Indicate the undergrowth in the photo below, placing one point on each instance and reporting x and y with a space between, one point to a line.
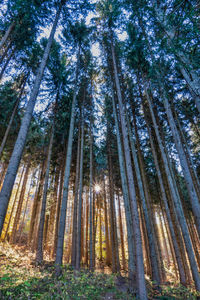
21 279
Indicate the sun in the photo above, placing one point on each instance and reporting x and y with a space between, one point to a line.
97 188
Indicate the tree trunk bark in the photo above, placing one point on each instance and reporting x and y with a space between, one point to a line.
39 252
121 233
149 226
176 199
129 222
21 139
62 221
137 233
19 206
7 34
91 263
74 232
184 163
14 204
78 248
86 227
108 252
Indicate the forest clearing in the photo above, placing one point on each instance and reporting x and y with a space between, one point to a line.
99 149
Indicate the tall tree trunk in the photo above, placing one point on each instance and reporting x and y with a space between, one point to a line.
137 233
19 206
86 227
123 175
74 232
78 248
108 252
113 225
184 163
100 235
167 211
91 262
176 199
36 204
21 139
62 221
58 208
121 233
14 204
52 217
39 252
25 208
148 223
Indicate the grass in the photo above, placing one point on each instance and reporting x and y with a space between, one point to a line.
21 279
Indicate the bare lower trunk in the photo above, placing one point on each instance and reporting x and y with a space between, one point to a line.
108 253
74 232
19 206
129 222
78 248
62 221
131 184
91 262
39 253
14 204
176 199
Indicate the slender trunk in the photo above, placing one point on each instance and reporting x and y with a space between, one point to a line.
3 172
184 163
157 233
58 209
14 204
148 223
19 206
108 253
39 252
7 34
121 233
62 221
78 248
25 209
171 248
163 238
86 228
52 217
36 203
5 52
7 62
74 233
113 226
137 233
123 175
176 199
91 263
100 235
21 139
11 120
167 211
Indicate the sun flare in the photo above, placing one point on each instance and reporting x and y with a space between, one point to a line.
97 188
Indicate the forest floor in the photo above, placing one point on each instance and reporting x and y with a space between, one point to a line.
21 279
